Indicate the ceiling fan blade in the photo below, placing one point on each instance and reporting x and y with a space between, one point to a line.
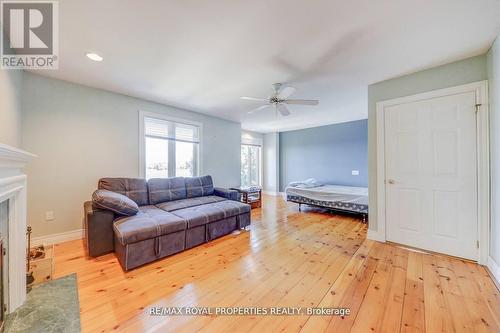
254 99
302 101
286 92
259 108
282 109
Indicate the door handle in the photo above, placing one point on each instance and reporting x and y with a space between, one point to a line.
391 181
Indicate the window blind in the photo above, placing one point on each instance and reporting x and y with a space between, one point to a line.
170 130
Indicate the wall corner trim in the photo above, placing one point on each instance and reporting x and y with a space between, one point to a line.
58 238
494 270
375 235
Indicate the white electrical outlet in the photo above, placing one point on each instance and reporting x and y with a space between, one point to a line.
355 172
49 216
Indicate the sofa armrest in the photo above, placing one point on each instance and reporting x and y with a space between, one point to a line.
226 193
98 230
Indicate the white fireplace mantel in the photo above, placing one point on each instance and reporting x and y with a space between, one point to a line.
13 158
13 189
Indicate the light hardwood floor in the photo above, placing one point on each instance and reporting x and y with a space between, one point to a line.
288 258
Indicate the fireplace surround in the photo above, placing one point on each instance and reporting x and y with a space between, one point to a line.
13 190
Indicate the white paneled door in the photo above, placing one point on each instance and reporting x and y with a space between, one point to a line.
431 174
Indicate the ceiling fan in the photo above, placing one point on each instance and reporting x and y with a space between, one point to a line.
279 100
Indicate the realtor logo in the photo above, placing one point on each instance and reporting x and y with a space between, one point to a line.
30 34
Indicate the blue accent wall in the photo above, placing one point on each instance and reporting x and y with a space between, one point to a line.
327 153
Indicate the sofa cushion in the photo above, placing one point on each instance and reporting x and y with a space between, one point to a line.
199 215
150 222
227 193
211 212
189 202
199 186
232 208
166 189
134 188
115 202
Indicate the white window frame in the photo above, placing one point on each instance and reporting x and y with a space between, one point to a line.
255 142
142 139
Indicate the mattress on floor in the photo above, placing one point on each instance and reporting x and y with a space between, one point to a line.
334 196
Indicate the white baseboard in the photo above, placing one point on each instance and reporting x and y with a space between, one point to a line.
58 238
494 269
375 235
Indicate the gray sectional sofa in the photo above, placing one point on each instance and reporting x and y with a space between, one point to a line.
174 214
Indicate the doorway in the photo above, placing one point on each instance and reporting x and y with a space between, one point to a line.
433 171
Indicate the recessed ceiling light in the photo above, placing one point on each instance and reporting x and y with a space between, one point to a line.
94 56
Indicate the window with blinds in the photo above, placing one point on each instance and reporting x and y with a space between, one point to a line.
171 148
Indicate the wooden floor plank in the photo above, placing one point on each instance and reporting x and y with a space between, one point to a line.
393 303
371 312
287 258
481 318
438 316
413 316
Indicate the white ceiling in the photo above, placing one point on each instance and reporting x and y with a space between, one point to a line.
204 55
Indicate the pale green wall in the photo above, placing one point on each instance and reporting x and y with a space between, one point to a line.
453 74
10 104
10 107
493 60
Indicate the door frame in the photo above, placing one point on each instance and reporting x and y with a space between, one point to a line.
483 160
